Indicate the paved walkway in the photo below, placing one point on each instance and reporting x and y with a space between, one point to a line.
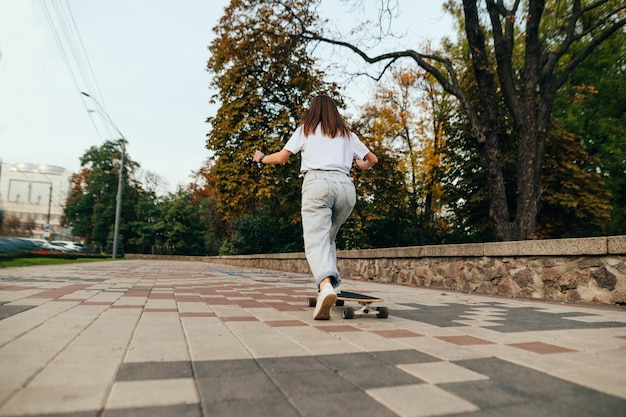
166 338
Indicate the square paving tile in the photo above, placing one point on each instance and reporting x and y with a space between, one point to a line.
351 361
253 387
248 408
541 348
420 400
464 340
399 333
137 371
312 382
337 328
178 410
222 368
291 364
153 392
353 403
378 376
396 357
441 372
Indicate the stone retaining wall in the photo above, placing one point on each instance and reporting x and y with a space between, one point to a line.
577 270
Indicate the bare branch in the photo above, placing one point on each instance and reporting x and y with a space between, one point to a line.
584 54
503 44
572 36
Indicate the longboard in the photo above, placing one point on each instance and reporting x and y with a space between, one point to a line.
365 302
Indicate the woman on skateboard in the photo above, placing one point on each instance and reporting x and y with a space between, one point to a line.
328 149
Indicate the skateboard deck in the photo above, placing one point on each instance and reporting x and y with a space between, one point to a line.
365 302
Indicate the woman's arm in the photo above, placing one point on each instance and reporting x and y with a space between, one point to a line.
275 158
369 161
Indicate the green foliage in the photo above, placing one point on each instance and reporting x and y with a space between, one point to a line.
264 78
262 232
382 215
592 108
90 207
575 198
147 215
179 230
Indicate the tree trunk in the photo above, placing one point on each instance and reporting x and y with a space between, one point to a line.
486 129
531 132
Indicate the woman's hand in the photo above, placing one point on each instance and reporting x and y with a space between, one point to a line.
361 164
369 161
257 155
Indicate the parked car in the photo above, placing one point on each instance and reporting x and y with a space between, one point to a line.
46 246
22 244
69 246
14 244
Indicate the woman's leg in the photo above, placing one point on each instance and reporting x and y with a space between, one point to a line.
327 201
317 213
345 200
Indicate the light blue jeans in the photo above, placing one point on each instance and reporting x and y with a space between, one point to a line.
328 198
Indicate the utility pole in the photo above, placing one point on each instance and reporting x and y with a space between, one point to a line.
118 203
120 183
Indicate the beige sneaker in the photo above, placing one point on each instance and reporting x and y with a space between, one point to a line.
325 301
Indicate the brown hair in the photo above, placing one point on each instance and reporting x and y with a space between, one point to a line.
324 110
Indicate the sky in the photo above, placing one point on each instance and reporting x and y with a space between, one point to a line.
143 65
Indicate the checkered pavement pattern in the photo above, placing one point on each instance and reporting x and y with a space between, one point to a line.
172 338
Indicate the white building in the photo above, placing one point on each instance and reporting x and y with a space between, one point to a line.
37 193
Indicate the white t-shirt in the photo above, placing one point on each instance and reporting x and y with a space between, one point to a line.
320 152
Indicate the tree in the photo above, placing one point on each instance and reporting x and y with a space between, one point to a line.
203 192
575 201
90 206
264 78
178 229
591 109
262 232
521 53
382 214
403 117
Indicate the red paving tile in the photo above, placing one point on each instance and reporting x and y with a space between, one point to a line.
161 296
60 292
541 348
338 329
198 314
217 301
285 307
245 318
188 298
464 340
250 304
137 294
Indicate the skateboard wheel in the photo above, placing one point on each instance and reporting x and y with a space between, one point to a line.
383 312
340 303
348 313
312 301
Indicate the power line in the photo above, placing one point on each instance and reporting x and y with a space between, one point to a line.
72 49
